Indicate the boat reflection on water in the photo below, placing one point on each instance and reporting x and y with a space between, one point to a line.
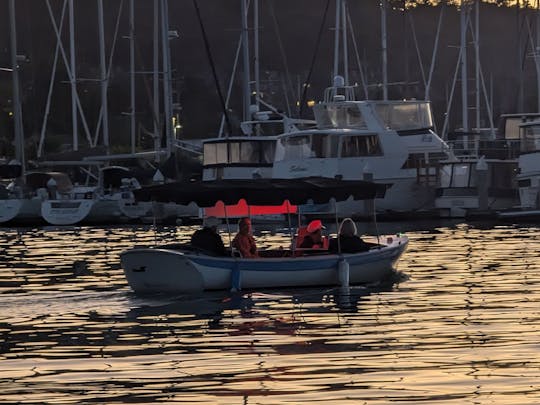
241 312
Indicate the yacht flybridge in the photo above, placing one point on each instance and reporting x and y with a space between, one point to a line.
381 141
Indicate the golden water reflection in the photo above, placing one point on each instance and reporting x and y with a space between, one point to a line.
459 325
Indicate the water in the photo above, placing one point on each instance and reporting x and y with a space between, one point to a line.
460 325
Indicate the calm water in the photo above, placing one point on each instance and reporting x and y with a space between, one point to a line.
461 325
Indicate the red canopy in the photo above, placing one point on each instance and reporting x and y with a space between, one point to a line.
242 209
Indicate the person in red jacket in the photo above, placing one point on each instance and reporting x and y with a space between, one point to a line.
244 241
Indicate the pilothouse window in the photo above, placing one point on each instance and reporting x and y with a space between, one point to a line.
339 116
307 146
354 146
406 116
239 152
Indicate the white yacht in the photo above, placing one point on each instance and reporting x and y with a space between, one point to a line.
528 176
389 142
481 179
529 166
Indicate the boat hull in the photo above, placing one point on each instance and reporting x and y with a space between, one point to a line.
9 209
174 271
66 212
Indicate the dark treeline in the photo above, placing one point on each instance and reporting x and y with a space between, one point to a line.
288 40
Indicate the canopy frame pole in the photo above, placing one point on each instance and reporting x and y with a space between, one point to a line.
228 227
375 222
291 234
337 225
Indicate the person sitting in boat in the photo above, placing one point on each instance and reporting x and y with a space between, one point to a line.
244 241
348 241
314 238
207 238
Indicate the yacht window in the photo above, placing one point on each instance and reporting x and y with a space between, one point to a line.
445 176
234 152
324 146
365 145
531 139
296 147
209 154
339 116
222 155
405 116
457 175
249 153
268 151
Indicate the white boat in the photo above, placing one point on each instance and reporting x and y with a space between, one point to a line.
21 199
528 177
110 201
68 207
381 141
481 177
182 269
529 166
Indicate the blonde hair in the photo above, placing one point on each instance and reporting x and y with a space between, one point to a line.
347 227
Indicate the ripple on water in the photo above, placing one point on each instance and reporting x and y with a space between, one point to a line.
461 326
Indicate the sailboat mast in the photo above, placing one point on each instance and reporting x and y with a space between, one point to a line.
336 39
464 87
345 44
257 72
384 51
132 73
17 109
104 78
157 132
74 119
245 49
477 61
166 75
537 54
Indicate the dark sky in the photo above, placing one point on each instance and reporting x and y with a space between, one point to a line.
288 39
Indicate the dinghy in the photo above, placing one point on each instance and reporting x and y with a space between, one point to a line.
184 269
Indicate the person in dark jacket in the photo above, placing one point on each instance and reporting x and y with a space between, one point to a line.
349 241
207 238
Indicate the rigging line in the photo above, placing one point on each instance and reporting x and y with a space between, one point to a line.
357 56
212 65
113 48
68 71
483 83
108 74
283 57
313 59
51 87
418 53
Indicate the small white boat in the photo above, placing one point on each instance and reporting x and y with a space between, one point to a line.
183 269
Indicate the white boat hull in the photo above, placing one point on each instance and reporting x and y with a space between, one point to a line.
20 210
9 209
66 212
174 271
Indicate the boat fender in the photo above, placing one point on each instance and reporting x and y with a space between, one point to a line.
236 279
343 273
